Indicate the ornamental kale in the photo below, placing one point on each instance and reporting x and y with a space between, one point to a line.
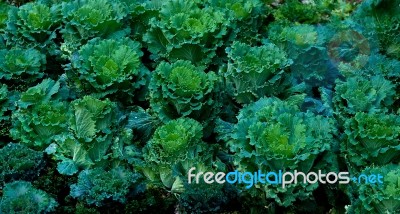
87 19
41 116
107 106
379 197
181 89
372 138
34 25
312 11
383 19
22 197
19 162
200 198
89 138
174 143
254 72
246 18
185 30
22 64
358 94
4 14
274 135
97 185
106 67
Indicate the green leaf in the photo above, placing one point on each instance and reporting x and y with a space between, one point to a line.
100 148
67 167
83 124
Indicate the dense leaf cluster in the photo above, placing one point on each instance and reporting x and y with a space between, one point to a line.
105 105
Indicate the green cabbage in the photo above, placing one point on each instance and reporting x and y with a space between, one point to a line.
182 89
184 30
378 197
41 115
97 185
178 143
107 67
88 142
273 135
254 72
19 162
21 196
34 25
87 19
372 139
22 64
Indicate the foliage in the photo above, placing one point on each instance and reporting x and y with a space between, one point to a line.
22 64
174 144
181 89
382 17
105 105
22 197
34 25
19 162
274 135
358 94
372 138
107 67
3 102
254 72
84 20
379 197
40 116
7 98
97 185
4 11
89 138
246 18
201 198
186 30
